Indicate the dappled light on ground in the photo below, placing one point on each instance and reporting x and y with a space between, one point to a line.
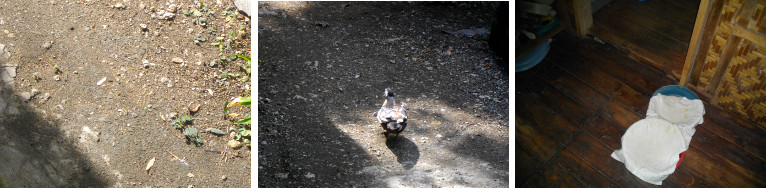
323 69
432 149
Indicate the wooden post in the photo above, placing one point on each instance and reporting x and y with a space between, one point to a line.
583 16
702 36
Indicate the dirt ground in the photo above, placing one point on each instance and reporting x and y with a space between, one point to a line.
323 71
61 129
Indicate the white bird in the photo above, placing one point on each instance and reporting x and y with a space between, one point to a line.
392 118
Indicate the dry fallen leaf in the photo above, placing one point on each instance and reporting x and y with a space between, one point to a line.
150 164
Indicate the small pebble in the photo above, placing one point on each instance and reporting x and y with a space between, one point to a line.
177 60
143 27
171 115
172 8
145 63
100 81
119 6
194 108
234 144
47 45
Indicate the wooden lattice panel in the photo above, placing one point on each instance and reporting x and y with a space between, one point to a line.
756 21
722 34
742 89
726 61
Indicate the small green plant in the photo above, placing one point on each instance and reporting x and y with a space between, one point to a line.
229 15
212 30
56 69
181 122
246 67
243 133
192 134
220 43
226 75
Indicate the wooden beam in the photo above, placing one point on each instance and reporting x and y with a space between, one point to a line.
748 34
583 16
703 11
704 33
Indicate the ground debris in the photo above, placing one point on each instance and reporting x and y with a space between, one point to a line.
149 164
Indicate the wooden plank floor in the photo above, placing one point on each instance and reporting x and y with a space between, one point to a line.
655 32
573 108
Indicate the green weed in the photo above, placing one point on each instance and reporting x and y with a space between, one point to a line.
181 122
243 133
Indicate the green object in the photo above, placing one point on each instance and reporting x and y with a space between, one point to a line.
245 120
181 122
212 63
192 134
215 131
246 58
544 30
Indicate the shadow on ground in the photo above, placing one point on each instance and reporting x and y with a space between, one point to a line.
34 152
407 153
324 67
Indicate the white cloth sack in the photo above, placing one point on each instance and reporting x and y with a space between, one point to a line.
651 146
681 111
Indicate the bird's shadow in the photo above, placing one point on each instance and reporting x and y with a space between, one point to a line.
407 153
